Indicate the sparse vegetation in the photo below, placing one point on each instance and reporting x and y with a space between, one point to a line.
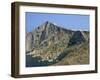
67 48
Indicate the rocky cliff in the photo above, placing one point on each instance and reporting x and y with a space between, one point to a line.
48 41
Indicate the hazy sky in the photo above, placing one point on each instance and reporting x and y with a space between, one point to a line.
68 21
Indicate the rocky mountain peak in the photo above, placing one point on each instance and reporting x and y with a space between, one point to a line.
48 34
47 22
44 26
50 44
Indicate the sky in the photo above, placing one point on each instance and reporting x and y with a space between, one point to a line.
68 21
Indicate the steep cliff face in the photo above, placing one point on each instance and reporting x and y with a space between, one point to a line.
46 34
29 41
51 42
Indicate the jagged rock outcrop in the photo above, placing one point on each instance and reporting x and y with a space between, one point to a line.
45 34
29 42
50 42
